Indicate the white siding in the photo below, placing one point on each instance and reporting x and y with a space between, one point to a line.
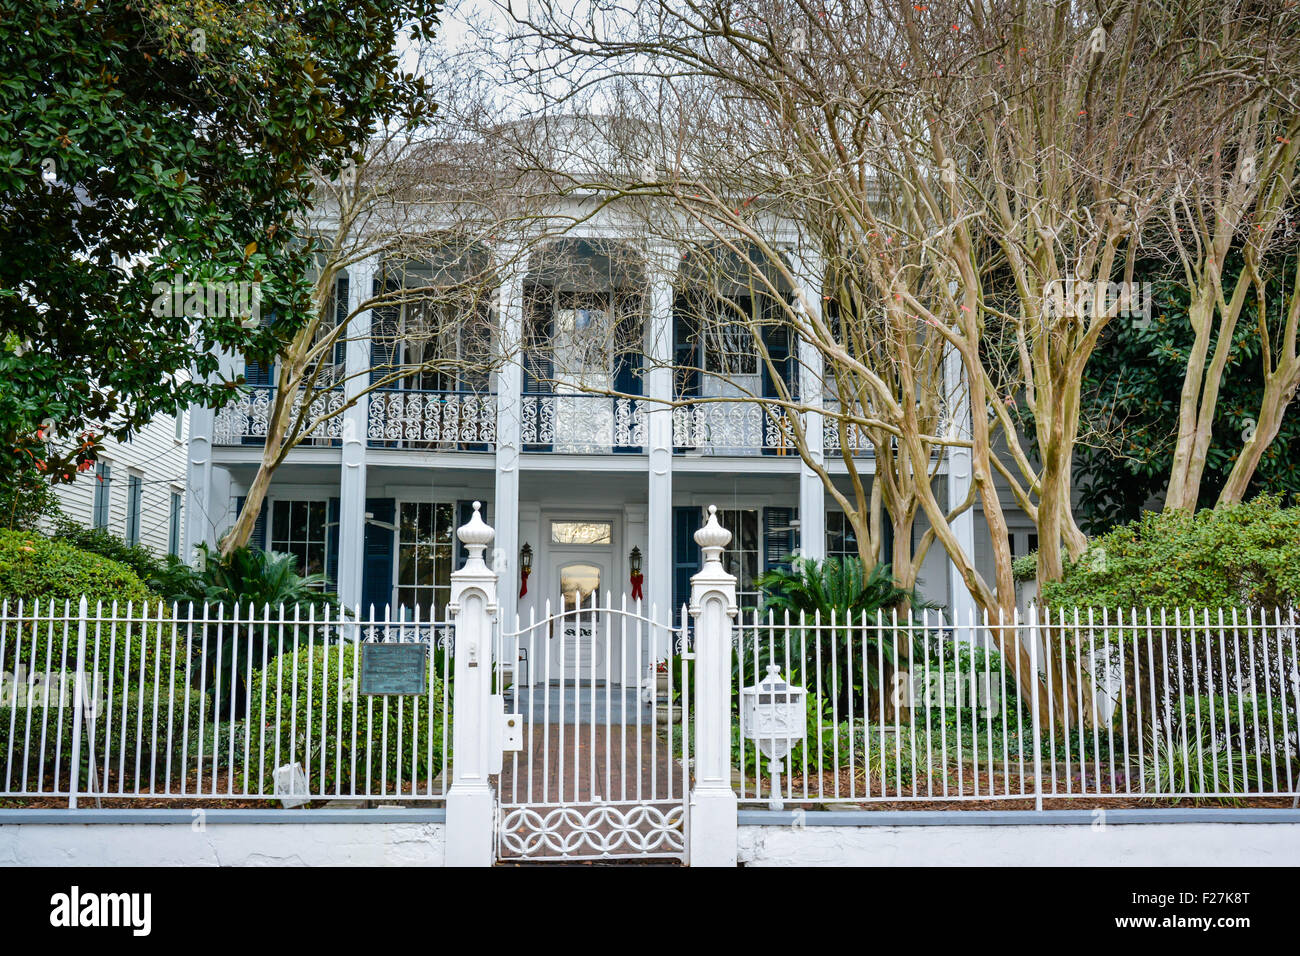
159 459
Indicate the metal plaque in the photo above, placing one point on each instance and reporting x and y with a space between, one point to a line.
394 669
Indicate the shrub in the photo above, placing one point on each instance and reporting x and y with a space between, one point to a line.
167 576
36 568
33 568
1236 556
327 753
241 585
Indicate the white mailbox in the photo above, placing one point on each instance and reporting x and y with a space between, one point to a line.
772 715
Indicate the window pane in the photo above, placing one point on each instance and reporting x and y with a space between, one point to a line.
581 532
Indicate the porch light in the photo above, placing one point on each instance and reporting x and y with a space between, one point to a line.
526 558
772 715
634 561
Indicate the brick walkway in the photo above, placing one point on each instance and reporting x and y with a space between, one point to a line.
590 793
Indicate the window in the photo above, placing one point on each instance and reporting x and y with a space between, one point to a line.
841 539
729 347
299 528
174 525
1022 543
424 557
743 556
581 532
180 426
134 494
582 344
103 491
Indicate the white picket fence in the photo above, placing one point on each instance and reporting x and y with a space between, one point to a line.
163 702
168 702
1143 704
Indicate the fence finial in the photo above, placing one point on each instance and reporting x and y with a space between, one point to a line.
712 538
476 536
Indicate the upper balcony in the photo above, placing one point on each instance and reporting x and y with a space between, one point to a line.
583 330
569 423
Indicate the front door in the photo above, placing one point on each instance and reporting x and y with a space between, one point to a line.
578 647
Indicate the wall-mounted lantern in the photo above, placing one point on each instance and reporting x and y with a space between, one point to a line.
636 578
525 567
772 715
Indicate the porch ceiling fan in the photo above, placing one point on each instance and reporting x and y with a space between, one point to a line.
386 525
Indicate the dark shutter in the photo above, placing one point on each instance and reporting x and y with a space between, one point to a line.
384 322
258 538
464 509
686 350
686 555
340 317
776 339
332 541
255 373
779 538
377 560
539 331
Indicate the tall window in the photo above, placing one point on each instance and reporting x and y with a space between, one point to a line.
103 491
424 555
174 525
134 495
841 539
299 528
743 556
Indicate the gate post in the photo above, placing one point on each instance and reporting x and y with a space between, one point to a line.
713 609
470 802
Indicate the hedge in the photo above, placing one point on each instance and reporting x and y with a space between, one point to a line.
345 766
1238 556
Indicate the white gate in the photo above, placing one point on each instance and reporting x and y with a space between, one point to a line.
602 769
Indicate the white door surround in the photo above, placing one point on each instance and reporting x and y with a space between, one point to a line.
576 548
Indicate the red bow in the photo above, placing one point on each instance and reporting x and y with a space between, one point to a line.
637 579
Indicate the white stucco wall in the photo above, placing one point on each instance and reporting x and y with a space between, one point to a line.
222 844
1143 844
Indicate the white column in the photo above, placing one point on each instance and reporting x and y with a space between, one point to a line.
713 610
812 492
659 436
352 477
201 507
510 384
476 742
198 482
957 405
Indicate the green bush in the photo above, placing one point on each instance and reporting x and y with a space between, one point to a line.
345 769
33 568
167 576
1238 556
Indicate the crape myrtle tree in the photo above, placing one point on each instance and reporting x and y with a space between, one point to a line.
944 166
161 145
1230 223
432 207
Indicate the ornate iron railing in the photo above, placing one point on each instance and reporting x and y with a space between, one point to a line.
432 420
579 424
246 420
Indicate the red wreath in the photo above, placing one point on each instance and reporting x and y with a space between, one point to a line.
637 580
523 582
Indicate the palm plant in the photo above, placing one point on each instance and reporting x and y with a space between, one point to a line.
842 596
236 587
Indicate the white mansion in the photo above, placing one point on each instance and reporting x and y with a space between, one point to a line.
578 486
